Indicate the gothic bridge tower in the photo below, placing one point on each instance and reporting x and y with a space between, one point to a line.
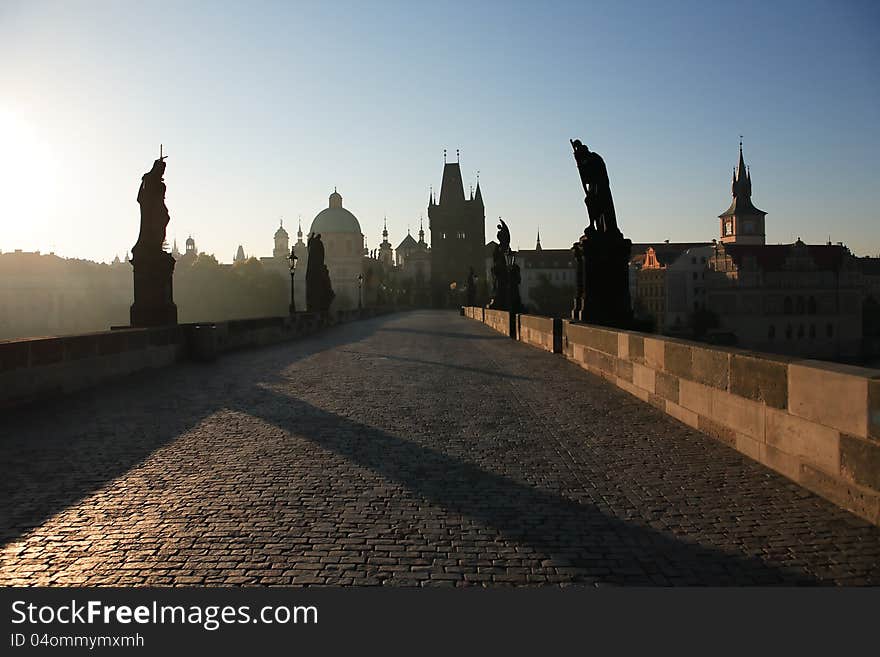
458 235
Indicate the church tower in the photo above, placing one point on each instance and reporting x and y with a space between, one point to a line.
742 222
282 243
386 253
458 234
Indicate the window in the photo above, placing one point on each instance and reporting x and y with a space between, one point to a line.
695 275
787 306
829 330
800 331
811 306
728 227
771 332
694 260
812 331
788 332
800 306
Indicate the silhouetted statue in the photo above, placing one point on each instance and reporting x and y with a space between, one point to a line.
471 288
501 297
602 253
597 189
319 291
503 236
154 213
153 266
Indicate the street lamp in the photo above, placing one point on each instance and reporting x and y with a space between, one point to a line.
360 280
292 257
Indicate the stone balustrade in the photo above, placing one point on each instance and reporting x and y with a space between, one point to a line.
816 422
35 369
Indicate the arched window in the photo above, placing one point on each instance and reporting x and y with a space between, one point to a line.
811 305
812 331
771 332
800 331
787 306
788 332
800 306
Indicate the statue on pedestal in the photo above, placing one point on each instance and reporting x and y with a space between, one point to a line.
153 266
602 253
500 273
471 288
319 291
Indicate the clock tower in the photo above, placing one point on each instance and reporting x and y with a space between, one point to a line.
742 222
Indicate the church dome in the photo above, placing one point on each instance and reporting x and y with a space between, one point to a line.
335 218
281 232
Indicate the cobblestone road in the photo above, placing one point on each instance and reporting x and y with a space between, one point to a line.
416 449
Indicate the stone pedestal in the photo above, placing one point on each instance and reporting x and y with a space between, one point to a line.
604 260
153 291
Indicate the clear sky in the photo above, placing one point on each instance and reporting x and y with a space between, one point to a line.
265 107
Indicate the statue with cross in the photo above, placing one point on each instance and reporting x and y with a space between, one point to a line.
153 266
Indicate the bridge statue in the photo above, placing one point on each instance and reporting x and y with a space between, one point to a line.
505 294
602 253
153 266
319 291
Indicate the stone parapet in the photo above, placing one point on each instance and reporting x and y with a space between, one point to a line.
816 422
35 369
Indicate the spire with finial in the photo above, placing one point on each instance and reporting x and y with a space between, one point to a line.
385 229
421 230
478 195
538 245
299 230
444 156
457 155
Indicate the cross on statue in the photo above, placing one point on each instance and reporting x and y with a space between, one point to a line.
161 156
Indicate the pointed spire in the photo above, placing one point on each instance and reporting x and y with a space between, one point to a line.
421 230
538 245
478 195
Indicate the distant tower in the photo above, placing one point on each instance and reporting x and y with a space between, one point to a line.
421 231
458 234
538 245
175 252
386 253
239 255
282 243
742 223
190 246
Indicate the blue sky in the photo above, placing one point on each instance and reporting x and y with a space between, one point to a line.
265 107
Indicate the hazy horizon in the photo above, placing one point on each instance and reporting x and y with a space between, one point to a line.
264 108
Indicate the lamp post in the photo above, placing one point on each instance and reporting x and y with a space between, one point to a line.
292 257
360 280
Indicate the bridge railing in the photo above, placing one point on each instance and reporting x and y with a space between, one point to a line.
817 423
34 369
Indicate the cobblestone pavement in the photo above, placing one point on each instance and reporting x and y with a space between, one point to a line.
415 449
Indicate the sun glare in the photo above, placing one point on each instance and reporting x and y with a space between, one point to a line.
27 173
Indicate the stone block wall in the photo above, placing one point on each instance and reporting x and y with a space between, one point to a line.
33 369
817 423
500 320
39 368
542 332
